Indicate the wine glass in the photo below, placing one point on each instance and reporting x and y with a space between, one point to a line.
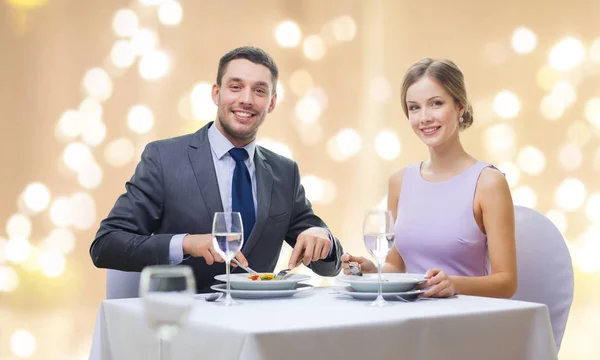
228 237
379 240
167 293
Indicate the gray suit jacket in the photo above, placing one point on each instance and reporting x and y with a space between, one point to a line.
174 190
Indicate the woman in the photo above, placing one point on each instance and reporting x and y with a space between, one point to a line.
452 212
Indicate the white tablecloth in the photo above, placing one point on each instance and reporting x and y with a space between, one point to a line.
320 325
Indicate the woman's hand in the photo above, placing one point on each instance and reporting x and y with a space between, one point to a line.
439 284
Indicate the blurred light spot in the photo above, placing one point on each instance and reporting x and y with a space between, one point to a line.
125 22
144 41
151 2
344 28
69 125
119 152
320 95
506 104
523 40
203 107
597 160
570 194
90 110
499 139
76 155
592 209
288 34
308 110
22 343
154 65
559 219
511 171
170 13
566 54
592 111
122 54
18 225
595 51
524 196
310 134
61 240
565 92
570 156
546 78
387 145
314 48
90 176
280 90
94 133
579 133
551 107
276 146
314 188
52 263
18 249
37 197
300 82
531 160
9 280
344 145
590 244
60 212
380 89
3 256
140 119
98 84
83 211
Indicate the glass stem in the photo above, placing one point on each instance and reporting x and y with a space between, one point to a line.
228 282
164 349
380 268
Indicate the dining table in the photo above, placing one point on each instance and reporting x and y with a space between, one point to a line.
326 323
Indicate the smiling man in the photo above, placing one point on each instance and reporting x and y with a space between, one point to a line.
166 214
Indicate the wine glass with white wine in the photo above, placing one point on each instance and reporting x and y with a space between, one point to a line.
167 293
228 238
379 240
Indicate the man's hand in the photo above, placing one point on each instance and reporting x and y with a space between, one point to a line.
202 246
314 243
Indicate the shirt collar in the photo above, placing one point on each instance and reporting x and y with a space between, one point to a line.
220 145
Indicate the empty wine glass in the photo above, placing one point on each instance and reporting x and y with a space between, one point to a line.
167 293
228 237
379 240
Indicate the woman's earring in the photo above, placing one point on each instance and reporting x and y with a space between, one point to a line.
460 120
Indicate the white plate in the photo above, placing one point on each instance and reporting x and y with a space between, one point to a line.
408 295
242 282
392 282
262 294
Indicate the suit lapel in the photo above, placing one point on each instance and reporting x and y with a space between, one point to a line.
264 186
200 156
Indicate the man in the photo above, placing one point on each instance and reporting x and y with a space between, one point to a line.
165 216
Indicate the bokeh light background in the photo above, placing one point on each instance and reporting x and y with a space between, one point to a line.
84 85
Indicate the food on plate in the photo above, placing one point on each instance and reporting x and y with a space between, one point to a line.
259 277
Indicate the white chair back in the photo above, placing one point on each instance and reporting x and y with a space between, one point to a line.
122 284
545 267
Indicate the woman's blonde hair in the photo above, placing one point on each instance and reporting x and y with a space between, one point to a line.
449 76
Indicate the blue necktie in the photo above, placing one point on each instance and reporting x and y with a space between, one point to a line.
241 191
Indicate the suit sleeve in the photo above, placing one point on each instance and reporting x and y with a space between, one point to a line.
303 218
125 240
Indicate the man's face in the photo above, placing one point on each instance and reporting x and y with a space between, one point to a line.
244 98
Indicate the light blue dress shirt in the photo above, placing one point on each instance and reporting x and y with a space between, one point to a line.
224 166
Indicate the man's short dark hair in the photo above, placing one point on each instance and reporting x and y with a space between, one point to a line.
252 54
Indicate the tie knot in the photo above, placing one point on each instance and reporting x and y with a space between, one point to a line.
238 154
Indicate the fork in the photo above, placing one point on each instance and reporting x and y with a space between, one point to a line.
244 267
